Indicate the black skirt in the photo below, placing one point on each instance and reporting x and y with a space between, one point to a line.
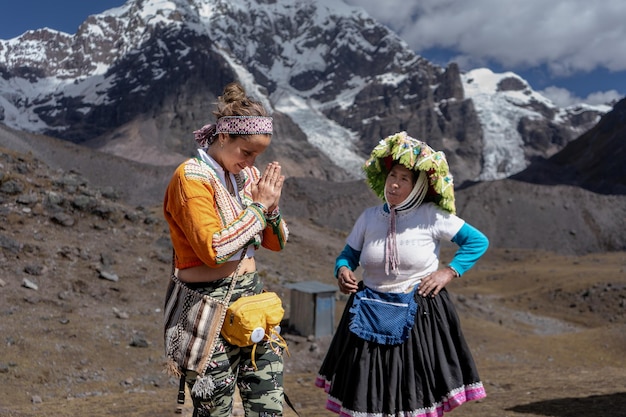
430 373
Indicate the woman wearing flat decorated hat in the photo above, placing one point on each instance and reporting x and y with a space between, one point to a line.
399 349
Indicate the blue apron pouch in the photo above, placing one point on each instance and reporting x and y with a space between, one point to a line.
384 318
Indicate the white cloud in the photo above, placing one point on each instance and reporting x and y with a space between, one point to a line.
603 97
566 35
563 98
560 96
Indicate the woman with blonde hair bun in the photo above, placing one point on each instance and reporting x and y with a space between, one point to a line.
221 210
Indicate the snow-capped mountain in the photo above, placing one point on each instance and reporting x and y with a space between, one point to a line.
507 108
137 79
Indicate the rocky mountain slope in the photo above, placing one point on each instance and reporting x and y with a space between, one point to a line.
560 218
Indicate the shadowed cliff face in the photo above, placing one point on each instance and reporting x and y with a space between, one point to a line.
594 161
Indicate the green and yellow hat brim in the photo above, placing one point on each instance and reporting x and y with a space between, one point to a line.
416 156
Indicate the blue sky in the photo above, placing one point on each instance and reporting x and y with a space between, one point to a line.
18 16
570 50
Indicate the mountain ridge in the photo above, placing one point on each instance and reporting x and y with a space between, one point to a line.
341 80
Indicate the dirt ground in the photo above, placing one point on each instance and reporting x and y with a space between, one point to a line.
548 333
81 295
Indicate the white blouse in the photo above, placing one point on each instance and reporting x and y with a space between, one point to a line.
419 233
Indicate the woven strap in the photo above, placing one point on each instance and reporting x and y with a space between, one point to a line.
224 302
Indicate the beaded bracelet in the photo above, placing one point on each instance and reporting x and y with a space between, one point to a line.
274 215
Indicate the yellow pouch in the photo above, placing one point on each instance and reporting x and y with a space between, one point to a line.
253 319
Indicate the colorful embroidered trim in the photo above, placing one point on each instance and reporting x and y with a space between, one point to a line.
452 400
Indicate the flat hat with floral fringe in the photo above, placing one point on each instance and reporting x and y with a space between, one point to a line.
416 156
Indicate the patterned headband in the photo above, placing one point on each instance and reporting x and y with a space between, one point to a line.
234 125
244 125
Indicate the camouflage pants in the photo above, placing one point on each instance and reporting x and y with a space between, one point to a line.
261 390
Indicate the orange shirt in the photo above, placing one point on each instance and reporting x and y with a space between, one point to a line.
207 224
